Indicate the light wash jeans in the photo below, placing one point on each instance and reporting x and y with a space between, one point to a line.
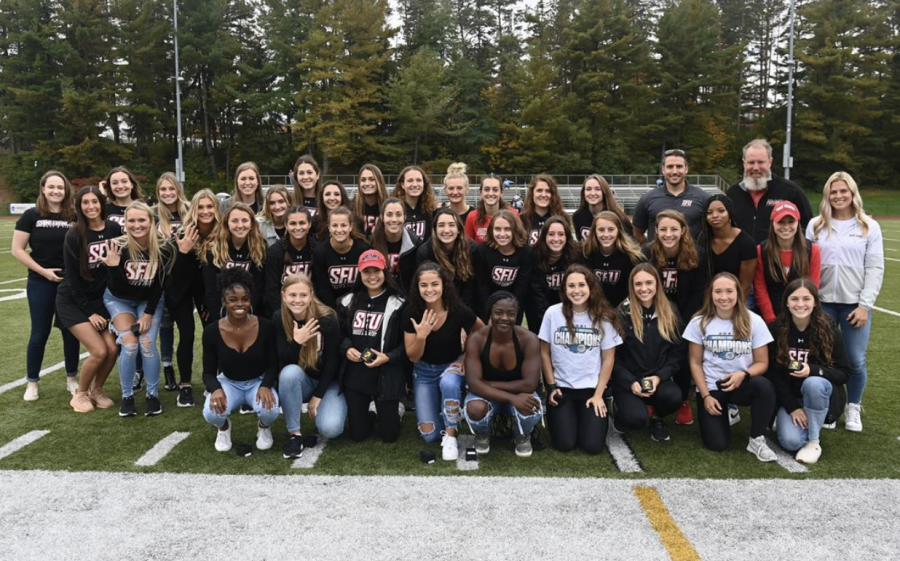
237 393
296 388
436 388
856 342
129 353
522 424
816 398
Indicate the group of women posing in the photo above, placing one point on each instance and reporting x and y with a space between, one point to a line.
433 276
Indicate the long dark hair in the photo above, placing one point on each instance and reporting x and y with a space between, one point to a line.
705 238
378 240
599 308
81 227
298 191
771 256
449 297
570 252
457 262
820 340
391 286
322 230
479 208
286 244
556 206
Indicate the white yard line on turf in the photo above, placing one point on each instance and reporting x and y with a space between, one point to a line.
886 311
21 381
17 444
891 259
465 441
890 240
310 455
784 459
161 449
20 294
14 280
622 454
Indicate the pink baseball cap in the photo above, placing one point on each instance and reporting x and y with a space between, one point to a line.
785 208
372 258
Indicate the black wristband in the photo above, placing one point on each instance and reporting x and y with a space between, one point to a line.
551 388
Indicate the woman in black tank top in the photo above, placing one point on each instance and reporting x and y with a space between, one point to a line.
503 371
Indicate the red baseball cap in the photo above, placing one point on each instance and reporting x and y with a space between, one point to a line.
372 258
785 208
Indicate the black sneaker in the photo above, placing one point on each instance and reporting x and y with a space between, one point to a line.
246 409
169 373
127 409
154 407
185 397
294 447
138 380
658 430
410 401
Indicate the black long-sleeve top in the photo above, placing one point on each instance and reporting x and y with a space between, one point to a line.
685 289
465 289
236 258
259 359
653 357
82 289
787 387
329 356
612 271
495 271
334 273
277 270
127 280
186 281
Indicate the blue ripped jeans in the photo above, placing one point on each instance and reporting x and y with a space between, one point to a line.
438 390
522 424
146 343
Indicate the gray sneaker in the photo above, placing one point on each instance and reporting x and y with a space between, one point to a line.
523 446
482 443
759 447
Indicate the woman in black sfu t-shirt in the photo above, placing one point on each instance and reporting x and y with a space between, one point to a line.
44 228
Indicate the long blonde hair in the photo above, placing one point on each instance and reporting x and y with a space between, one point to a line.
191 218
309 352
623 244
688 259
217 242
740 317
162 211
824 222
669 326
156 243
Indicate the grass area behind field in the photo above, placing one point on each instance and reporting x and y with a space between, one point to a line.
101 441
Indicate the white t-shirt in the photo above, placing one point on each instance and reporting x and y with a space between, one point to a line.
722 354
576 360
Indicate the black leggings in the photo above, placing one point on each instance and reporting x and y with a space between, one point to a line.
757 392
631 410
361 423
183 316
571 423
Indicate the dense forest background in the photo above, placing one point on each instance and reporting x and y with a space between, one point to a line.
562 86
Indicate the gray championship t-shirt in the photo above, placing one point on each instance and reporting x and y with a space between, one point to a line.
576 357
722 353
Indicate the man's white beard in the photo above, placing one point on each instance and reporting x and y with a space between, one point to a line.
752 184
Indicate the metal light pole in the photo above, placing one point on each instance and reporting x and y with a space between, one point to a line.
179 163
788 160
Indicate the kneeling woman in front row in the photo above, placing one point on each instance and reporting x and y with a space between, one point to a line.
308 341
812 393
728 358
578 341
376 361
239 362
503 369
651 354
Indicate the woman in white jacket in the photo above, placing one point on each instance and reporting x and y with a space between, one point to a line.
852 271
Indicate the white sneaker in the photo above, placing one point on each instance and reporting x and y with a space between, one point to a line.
734 415
31 391
852 421
304 409
401 409
759 447
449 448
264 438
71 385
223 439
810 452
830 426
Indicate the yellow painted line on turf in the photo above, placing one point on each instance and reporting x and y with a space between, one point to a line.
673 539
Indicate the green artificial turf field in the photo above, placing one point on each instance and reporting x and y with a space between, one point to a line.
101 441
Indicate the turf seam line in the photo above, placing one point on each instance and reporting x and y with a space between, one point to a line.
21 442
464 441
622 454
161 449
671 536
784 459
310 455
22 381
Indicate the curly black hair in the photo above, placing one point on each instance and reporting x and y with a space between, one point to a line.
229 279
